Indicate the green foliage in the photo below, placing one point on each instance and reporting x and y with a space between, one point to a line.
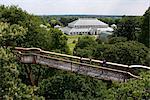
114 40
110 21
123 52
71 86
13 15
74 41
54 22
99 40
10 85
58 41
18 28
50 21
67 20
11 34
127 28
70 40
119 50
85 46
132 90
31 34
85 41
148 57
86 52
145 35
36 37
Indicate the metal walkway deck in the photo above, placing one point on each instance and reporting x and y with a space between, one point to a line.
85 66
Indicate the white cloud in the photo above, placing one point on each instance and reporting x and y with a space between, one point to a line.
99 7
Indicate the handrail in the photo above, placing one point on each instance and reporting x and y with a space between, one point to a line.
93 66
139 66
76 57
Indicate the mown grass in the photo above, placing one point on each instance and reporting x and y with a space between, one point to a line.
70 41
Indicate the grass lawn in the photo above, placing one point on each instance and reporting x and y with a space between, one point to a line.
72 38
70 43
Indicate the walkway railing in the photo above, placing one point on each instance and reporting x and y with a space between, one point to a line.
85 66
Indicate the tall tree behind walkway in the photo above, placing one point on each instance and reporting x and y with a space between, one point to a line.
131 53
10 35
127 28
58 41
145 36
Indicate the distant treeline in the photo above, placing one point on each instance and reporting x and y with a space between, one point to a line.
87 16
63 20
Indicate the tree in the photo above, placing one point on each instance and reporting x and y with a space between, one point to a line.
148 57
126 28
54 22
114 40
109 21
131 90
85 46
67 20
20 21
123 52
145 35
26 31
10 35
10 85
72 86
58 41
85 52
30 34
13 15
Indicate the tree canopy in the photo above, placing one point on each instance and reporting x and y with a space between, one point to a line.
123 52
10 85
85 46
11 34
72 86
145 35
126 28
35 82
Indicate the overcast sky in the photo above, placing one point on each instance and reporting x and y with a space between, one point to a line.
98 7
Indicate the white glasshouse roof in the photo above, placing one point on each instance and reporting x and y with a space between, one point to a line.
87 21
80 30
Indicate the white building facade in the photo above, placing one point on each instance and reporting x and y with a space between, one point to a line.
87 26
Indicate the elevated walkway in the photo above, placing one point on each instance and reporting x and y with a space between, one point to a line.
85 66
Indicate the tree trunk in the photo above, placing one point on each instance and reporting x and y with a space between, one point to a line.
29 73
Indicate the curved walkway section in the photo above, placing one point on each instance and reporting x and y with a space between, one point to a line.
85 66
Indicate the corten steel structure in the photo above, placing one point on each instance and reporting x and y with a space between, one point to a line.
85 66
86 26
